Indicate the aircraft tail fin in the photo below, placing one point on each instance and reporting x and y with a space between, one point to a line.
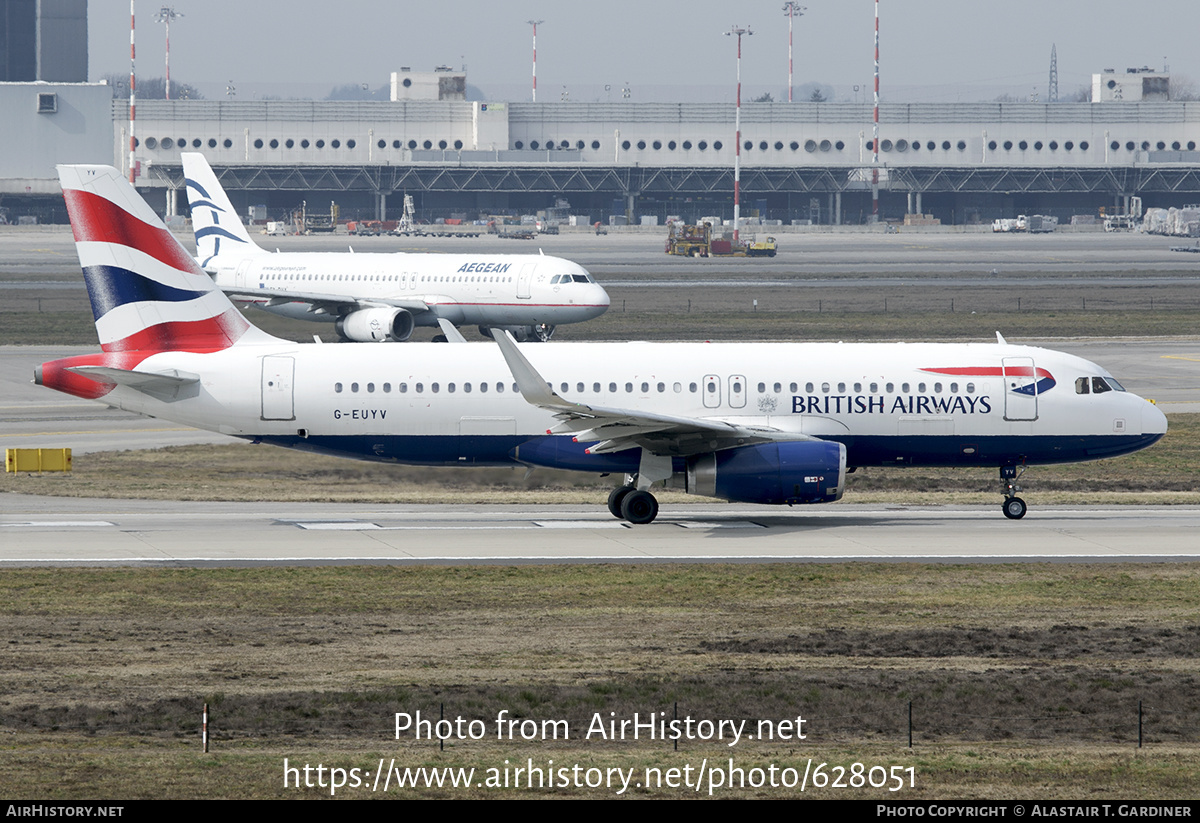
218 229
148 294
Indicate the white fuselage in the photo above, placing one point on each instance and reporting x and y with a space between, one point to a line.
486 290
893 404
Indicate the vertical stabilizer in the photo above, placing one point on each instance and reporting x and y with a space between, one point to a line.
218 229
147 293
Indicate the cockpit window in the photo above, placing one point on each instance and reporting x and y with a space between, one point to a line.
1082 386
1099 386
579 278
1114 384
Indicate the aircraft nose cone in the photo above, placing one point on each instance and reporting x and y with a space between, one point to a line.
1153 420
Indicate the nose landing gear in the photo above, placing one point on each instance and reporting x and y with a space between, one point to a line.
1014 508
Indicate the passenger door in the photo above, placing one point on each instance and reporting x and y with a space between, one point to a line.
277 379
1020 388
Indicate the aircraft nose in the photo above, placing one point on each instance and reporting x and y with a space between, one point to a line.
1153 420
600 296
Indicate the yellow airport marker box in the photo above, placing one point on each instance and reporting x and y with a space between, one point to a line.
37 460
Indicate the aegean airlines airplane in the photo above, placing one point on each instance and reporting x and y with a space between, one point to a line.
749 422
375 297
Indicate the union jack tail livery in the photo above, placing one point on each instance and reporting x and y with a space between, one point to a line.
147 293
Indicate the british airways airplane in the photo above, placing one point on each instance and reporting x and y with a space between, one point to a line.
376 297
749 422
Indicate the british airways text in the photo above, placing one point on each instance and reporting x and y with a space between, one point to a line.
901 404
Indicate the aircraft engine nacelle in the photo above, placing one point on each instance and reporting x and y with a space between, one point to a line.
810 471
374 325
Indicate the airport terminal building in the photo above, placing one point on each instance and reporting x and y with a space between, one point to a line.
803 161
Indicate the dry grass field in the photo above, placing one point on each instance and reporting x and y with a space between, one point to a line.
1024 680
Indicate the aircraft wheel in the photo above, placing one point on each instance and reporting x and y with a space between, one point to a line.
1015 508
639 507
438 338
615 498
486 332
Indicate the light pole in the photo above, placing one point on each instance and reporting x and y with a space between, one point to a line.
875 138
165 15
737 127
534 23
791 10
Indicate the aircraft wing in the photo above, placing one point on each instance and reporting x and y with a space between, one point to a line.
615 429
320 303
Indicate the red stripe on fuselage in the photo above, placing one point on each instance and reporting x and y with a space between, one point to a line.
96 220
991 371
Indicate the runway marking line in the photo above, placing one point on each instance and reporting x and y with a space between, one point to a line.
102 431
57 523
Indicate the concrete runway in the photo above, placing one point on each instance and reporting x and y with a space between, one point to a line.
45 257
44 531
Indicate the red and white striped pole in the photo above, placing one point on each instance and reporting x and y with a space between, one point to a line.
534 23
792 10
875 137
132 95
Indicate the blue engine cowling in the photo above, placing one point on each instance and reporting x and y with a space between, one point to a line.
809 471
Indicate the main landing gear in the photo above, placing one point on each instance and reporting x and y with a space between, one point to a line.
627 503
1014 508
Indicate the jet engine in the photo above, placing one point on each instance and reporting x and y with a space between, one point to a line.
807 471
373 325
